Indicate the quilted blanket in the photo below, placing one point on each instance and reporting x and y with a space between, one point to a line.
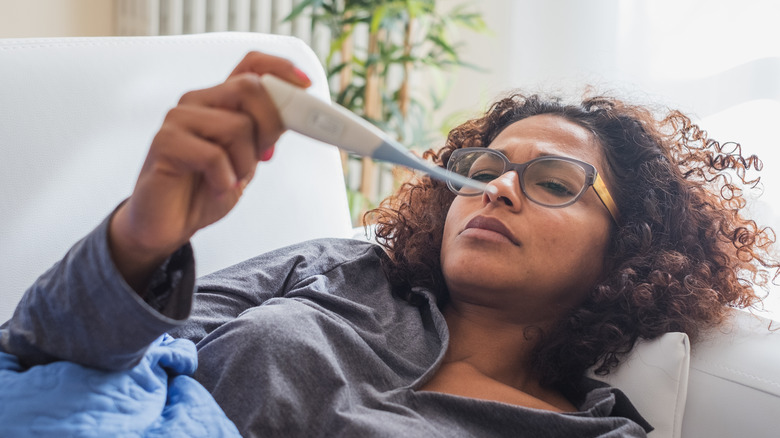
157 398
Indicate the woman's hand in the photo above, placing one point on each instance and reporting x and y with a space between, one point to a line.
198 165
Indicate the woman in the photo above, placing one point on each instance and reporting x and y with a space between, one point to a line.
680 253
479 317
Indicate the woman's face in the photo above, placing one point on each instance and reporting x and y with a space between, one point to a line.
504 251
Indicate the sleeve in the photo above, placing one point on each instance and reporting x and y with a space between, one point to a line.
222 296
81 310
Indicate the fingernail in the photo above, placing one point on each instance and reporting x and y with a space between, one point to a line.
267 154
301 76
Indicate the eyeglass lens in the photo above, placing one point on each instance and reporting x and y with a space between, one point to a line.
548 181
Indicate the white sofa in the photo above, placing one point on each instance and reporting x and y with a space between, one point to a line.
78 114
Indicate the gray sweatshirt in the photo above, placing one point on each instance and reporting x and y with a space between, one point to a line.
300 342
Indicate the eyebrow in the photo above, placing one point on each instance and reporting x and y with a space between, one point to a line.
541 154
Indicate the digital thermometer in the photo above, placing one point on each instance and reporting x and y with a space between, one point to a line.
333 124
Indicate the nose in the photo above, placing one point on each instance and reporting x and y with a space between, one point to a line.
506 189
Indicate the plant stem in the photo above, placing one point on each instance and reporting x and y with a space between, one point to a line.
403 93
345 75
373 108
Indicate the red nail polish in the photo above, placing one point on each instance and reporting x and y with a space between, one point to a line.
301 75
267 154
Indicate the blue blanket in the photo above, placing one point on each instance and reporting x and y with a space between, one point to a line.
157 398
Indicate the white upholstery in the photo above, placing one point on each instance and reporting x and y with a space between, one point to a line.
655 378
734 381
76 121
725 385
77 117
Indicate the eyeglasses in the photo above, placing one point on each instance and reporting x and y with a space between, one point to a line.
549 181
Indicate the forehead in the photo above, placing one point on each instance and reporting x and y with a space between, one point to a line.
548 134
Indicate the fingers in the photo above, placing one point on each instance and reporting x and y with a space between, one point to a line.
183 148
243 93
222 131
262 63
199 163
221 136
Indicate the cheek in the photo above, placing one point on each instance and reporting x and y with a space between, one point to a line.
453 223
448 233
583 247
591 251
455 215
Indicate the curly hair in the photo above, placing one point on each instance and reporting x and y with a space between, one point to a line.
682 254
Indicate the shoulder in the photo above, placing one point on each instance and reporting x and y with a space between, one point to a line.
349 260
599 399
330 251
301 260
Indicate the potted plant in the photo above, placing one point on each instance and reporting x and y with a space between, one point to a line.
388 63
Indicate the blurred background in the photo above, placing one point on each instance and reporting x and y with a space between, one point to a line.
418 67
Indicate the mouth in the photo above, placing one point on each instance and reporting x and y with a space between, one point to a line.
488 226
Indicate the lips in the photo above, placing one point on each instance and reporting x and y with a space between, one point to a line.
491 224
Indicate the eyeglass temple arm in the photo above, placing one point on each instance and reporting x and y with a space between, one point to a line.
606 198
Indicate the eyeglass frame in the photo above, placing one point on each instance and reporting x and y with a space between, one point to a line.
592 178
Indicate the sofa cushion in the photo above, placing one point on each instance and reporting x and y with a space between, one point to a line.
655 378
734 380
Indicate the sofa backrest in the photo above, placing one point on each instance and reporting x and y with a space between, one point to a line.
76 120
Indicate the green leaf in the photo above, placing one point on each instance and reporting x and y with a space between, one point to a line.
376 19
335 70
435 52
299 8
336 44
439 42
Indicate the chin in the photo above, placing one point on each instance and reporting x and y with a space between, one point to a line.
479 271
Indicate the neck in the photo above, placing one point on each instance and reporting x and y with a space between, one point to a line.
491 343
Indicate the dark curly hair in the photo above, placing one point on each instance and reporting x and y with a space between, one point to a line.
682 254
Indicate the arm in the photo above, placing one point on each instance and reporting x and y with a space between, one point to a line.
82 310
90 307
198 166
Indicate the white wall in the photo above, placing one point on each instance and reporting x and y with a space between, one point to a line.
56 18
668 51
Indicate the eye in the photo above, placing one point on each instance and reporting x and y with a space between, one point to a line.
484 175
556 187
